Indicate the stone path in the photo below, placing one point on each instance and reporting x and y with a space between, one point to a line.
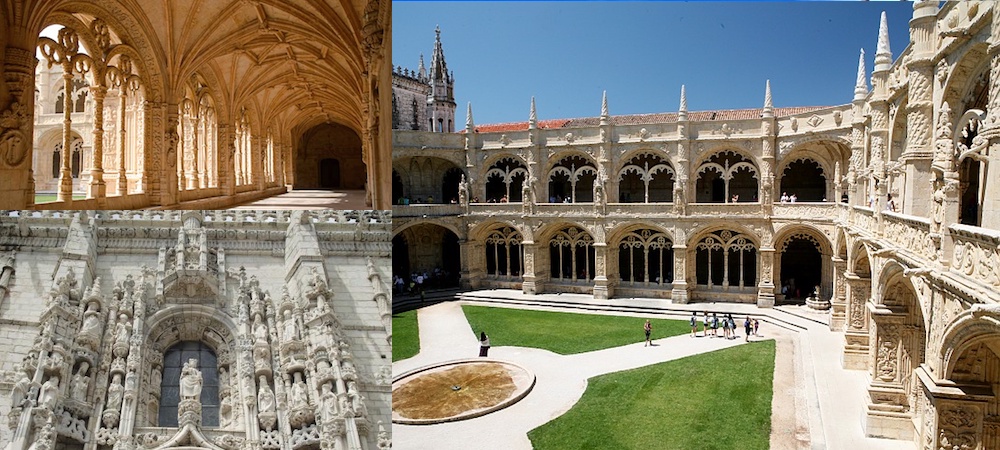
311 199
809 411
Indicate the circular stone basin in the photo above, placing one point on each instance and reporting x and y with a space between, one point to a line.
458 390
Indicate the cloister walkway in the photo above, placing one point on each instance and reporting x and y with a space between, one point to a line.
809 411
310 199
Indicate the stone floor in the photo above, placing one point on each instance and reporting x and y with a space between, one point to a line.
311 199
817 404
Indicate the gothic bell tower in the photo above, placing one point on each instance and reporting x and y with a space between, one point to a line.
441 100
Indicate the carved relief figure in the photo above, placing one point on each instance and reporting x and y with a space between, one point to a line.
19 393
80 383
191 380
329 401
90 332
299 397
291 332
49 394
115 393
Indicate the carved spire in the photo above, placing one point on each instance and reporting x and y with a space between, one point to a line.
883 56
439 69
768 103
469 125
682 113
422 71
604 109
861 85
532 116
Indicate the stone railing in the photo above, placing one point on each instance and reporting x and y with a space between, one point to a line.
724 209
864 220
419 139
495 209
909 232
976 254
640 209
823 211
429 210
564 209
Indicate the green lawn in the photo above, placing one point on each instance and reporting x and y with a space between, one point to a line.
564 333
405 335
718 400
45 198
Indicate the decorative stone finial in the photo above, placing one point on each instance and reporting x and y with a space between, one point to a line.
682 112
861 85
604 109
768 103
468 118
532 116
883 56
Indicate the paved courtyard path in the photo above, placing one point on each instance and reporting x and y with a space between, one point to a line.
809 411
310 199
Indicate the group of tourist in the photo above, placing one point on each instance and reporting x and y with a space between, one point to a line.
728 326
785 198
420 281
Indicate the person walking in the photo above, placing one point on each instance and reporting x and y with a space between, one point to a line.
732 325
705 324
484 343
725 328
715 325
694 324
648 327
747 327
756 325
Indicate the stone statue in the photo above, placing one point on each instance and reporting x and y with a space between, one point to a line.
260 331
226 411
265 397
291 332
191 380
80 383
115 393
329 401
123 332
90 332
463 192
299 397
19 393
353 396
50 393
155 379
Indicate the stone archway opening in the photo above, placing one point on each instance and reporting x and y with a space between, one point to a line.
805 179
430 255
801 268
329 156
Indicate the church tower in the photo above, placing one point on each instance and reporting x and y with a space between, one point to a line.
441 101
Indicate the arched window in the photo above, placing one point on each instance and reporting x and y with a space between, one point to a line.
804 178
505 178
61 101
971 171
724 176
173 361
571 255
57 160
77 157
726 258
572 178
647 178
503 253
646 256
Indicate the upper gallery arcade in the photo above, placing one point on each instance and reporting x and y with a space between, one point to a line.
120 104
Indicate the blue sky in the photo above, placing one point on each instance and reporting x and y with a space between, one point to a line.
567 53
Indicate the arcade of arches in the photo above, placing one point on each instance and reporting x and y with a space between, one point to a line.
190 103
894 226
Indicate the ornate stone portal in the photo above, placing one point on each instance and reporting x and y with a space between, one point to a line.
180 343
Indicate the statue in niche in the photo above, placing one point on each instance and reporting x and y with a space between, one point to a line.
329 401
191 381
123 332
155 378
19 393
50 393
345 406
226 411
291 332
90 332
360 408
299 397
223 379
80 382
353 396
260 331
265 397
463 192
131 382
115 392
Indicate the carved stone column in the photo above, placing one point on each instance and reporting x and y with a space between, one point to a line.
886 412
856 327
838 302
122 188
679 293
172 146
765 289
16 127
226 153
97 188
471 273
530 284
65 173
6 271
602 289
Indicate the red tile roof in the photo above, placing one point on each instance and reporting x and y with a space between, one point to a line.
640 119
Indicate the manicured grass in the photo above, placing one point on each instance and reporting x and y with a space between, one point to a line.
45 198
564 333
405 335
717 400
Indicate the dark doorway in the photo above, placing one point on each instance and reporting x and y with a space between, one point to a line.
400 257
329 173
397 186
449 185
969 191
805 179
801 268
